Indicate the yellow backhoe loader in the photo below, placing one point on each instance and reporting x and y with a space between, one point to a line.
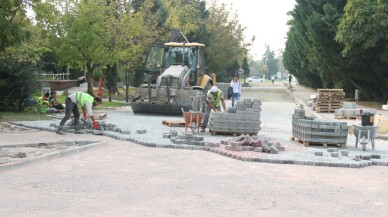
176 78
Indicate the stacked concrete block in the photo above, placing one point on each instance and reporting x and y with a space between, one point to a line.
251 143
310 130
350 110
87 127
244 118
187 138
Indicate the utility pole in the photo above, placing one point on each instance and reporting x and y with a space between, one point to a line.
126 85
266 58
241 72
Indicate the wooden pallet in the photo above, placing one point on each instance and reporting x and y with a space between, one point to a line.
329 103
174 123
325 145
344 117
214 133
100 116
319 110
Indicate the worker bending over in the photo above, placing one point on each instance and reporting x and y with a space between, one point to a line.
214 100
87 102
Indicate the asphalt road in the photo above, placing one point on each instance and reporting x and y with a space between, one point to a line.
120 178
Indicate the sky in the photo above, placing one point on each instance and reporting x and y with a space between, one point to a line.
264 19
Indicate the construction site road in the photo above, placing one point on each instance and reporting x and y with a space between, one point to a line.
121 178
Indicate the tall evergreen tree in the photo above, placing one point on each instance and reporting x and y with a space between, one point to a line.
363 32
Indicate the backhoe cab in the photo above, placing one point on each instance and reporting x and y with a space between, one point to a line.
184 63
175 74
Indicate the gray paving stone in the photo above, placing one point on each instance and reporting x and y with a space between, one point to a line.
125 131
334 154
365 157
274 150
288 161
354 165
258 149
344 152
375 156
248 148
380 162
309 162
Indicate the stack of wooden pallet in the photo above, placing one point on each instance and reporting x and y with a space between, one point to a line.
329 100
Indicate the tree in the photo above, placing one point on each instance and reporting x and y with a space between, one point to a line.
245 67
226 40
155 15
17 54
253 67
13 23
270 62
16 81
190 16
93 33
230 71
111 77
362 32
263 69
311 53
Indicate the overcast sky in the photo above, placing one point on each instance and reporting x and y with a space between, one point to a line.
266 20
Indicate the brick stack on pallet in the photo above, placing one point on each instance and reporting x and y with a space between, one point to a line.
329 100
350 110
308 131
244 118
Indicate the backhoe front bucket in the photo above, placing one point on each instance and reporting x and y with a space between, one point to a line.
158 109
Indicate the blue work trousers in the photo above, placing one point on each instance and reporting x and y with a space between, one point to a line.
235 98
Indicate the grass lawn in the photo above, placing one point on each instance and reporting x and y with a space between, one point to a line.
27 115
32 115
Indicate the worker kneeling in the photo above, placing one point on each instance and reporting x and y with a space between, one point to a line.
87 102
214 100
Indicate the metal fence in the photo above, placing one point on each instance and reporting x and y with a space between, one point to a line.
52 76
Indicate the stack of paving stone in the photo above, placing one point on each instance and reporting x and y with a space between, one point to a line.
87 126
252 143
329 100
308 130
243 118
186 138
350 110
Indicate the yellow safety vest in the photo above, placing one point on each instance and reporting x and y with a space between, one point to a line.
82 97
217 101
41 101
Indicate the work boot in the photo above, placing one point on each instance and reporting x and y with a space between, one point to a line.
60 131
78 130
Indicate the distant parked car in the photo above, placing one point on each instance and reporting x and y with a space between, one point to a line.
254 79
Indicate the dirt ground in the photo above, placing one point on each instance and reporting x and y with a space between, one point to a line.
7 127
124 179
28 149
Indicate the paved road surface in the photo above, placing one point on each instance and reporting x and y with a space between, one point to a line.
120 178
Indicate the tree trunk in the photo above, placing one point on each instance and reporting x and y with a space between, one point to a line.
89 77
110 96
